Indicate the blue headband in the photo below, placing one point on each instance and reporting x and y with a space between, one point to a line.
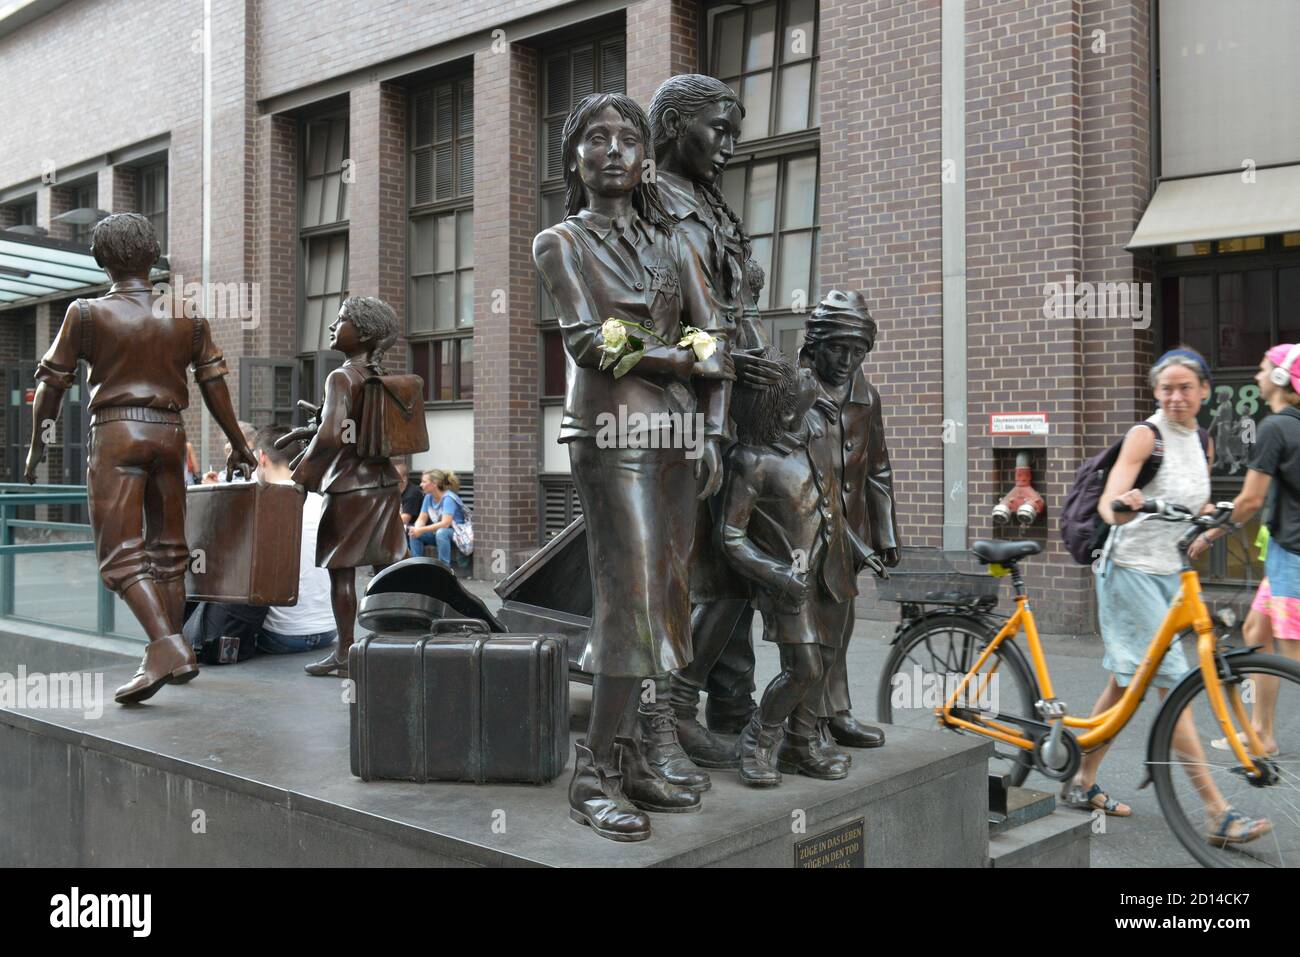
1188 354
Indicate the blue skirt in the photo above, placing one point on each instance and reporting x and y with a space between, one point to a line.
1131 606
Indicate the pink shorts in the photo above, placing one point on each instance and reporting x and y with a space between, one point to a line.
1284 613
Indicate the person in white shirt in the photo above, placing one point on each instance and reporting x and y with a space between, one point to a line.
310 623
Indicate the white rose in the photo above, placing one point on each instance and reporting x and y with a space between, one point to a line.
614 335
703 344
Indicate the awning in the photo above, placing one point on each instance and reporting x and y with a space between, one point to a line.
35 269
1221 207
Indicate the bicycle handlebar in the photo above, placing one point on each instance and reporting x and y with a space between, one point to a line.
1171 512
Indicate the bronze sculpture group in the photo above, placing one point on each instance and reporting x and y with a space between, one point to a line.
666 254
776 502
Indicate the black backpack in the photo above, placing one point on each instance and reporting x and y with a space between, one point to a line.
224 634
1082 528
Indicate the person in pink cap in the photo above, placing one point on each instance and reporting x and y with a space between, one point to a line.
1273 483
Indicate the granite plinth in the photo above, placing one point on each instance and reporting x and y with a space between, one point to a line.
248 766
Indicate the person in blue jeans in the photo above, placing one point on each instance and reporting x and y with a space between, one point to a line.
422 542
442 508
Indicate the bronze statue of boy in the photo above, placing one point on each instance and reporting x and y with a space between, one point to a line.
137 362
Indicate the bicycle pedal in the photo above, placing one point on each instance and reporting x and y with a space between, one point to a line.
1052 708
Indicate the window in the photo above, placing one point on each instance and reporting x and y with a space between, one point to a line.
597 65
323 229
767 53
777 84
21 213
151 192
440 248
447 367
85 196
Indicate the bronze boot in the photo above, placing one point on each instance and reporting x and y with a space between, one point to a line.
596 799
700 744
728 715
796 755
852 733
167 659
657 731
825 744
644 786
758 754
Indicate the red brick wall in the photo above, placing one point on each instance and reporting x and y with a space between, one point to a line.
377 199
880 216
662 41
507 418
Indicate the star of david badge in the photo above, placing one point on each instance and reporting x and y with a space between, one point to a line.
663 280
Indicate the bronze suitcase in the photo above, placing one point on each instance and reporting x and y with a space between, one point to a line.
244 540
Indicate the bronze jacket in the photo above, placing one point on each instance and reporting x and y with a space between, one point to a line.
782 513
862 459
592 274
135 357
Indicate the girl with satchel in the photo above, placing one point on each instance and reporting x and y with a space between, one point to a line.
361 521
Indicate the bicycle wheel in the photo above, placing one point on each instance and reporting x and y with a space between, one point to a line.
927 663
1206 773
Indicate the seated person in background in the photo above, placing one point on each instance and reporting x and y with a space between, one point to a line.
442 508
420 532
310 623
212 477
412 496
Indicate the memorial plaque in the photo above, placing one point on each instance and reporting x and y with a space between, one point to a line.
843 846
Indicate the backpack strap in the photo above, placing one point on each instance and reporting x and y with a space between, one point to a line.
85 331
1154 460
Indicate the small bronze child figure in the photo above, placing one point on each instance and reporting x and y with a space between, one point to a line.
838 335
783 528
361 522
137 360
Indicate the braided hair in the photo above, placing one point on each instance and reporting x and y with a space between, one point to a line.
687 94
645 197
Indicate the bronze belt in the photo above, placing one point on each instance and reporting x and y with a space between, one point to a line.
135 413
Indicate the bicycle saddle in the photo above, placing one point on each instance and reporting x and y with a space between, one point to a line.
1002 552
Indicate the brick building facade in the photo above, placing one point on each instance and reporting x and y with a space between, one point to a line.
404 150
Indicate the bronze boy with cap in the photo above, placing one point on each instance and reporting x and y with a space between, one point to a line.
838 334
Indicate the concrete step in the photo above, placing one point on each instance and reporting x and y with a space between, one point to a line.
1059 839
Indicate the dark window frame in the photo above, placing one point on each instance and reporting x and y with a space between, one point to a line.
159 214
310 235
550 188
426 345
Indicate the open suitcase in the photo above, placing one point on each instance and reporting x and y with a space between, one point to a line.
459 704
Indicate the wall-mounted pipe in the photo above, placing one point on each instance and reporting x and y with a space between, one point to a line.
1023 501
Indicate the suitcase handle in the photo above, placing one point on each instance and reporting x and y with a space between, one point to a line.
444 625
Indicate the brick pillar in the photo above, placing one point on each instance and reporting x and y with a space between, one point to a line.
1025 231
662 40
1116 184
881 225
118 189
507 417
377 199
275 218
52 201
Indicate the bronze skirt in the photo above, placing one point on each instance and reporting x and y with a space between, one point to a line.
361 528
639 506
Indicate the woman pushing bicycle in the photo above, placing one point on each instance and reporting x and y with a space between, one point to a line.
1137 578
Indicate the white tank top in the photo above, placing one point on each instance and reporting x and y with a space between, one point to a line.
1148 544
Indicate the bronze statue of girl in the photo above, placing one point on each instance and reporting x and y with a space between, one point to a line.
615 257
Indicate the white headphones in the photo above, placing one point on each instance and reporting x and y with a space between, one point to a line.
1281 374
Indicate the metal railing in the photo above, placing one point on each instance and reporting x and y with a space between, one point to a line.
16 498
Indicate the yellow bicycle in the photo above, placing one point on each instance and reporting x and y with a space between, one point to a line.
985 687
